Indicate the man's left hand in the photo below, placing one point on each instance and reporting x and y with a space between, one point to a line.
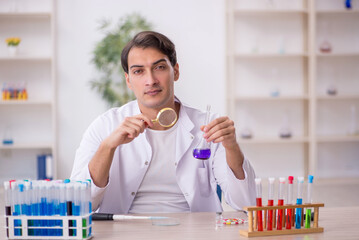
221 130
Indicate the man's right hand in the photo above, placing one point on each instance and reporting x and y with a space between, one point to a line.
128 130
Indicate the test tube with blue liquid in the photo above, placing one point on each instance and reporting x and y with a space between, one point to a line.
35 206
16 208
203 150
298 211
26 207
88 199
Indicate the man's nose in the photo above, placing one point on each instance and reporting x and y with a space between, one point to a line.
151 79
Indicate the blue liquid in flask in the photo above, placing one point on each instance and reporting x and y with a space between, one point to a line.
201 154
203 151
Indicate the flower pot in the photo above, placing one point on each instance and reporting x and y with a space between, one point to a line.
12 50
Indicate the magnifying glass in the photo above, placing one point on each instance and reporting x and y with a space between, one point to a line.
166 117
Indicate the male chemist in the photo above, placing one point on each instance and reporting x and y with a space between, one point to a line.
138 166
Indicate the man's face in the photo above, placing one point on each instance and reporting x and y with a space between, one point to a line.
151 77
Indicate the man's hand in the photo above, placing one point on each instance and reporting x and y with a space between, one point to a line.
222 130
128 130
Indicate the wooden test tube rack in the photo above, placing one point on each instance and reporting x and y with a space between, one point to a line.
252 221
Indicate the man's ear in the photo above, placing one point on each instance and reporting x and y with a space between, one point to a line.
176 72
128 81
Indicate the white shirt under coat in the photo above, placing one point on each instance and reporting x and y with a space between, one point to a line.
198 183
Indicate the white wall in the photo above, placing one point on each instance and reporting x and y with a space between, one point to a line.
196 27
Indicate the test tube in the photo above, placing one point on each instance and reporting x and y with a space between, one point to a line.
62 200
35 206
7 204
28 206
84 207
259 202
69 203
43 200
270 203
298 212
50 211
308 214
56 202
280 202
43 207
16 210
7 198
88 197
77 199
28 198
56 193
289 202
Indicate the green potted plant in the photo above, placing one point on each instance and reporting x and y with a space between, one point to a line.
107 58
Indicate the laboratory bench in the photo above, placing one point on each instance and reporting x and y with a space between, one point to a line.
338 223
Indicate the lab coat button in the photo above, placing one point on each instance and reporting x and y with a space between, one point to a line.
192 137
133 193
146 163
175 163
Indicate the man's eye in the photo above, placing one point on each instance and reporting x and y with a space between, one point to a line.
161 67
137 71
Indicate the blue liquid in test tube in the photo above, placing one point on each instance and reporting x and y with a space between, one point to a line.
16 208
35 207
298 212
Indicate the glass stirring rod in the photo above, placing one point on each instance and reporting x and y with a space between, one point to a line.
203 151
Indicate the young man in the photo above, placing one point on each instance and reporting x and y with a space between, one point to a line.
139 166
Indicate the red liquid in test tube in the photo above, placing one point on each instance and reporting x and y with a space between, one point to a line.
289 201
280 203
270 203
259 203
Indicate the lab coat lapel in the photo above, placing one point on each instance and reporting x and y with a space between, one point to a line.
184 137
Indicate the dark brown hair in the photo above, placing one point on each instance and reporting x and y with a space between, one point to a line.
149 39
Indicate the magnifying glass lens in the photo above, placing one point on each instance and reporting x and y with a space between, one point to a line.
167 117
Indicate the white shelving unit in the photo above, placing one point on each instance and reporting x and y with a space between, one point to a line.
30 123
276 73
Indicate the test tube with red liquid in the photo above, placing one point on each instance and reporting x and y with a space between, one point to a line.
270 203
259 203
280 202
289 201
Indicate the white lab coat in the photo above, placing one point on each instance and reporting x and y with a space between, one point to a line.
131 161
